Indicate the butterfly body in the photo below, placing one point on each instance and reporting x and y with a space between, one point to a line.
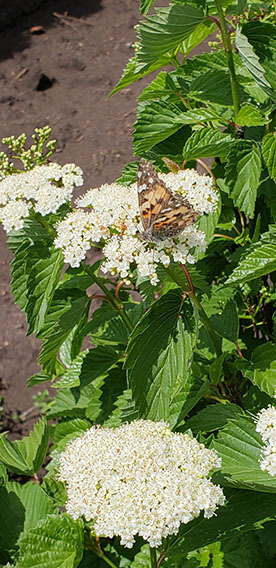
164 214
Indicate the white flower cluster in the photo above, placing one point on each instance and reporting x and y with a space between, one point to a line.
43 189
266 426
139 479
113 218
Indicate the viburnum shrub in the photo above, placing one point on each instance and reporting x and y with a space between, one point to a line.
163 444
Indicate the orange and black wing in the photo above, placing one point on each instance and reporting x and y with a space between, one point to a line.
152 194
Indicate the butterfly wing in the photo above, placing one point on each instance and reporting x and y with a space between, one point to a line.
163 213
152 194
174 216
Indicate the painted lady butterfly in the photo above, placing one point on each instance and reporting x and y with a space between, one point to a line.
163 213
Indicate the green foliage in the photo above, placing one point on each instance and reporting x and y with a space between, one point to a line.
198 349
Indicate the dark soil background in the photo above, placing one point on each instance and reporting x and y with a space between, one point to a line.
60 77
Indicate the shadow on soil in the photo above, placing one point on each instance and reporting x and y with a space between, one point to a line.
23 16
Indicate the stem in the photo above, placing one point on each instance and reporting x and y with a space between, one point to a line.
44 224
204 318
105 558
153 558
201 312
113 301
229 54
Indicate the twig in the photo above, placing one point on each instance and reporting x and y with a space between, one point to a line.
65 16
21 73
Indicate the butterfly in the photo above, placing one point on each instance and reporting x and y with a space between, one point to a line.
163 213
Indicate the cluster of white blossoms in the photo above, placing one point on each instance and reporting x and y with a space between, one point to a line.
138 479
110 215
42 190
266 426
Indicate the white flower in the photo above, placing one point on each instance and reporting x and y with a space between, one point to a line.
43 189
266 426
114 219
139 479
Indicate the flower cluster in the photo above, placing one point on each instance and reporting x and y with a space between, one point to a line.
113 220
266 426
138 479
43 190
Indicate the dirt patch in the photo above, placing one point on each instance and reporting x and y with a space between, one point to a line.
82 56
61 75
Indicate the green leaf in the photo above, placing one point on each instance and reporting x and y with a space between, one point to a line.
211 418
262 37
68 429
43 280
165 31
252 62
243 510
155 122
240 447
128 174
68 309
249 115
36 503
134 71
243 174
145 5
199 34
12 516
202 88
38 378
91 364
165 85
258 259
261 370
27 455
207 142
125 410
222 312
159 356
269 153
56 542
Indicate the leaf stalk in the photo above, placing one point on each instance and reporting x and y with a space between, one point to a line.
229 54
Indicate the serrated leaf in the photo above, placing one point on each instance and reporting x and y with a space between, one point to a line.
165 30
207 142
44 277
212 417
27 455
222 311
56 542
199 34
67 311
202 88
36 503
155 122
243 172
70 428
159 356
128 174
259 259
165 85
110 388
134 71
252 62
269 153
125 410
38 378
145 5
243 510
240 447
249 115
262 36
261 370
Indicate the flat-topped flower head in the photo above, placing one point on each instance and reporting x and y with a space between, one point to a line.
138 479
110 216
43 190
266 426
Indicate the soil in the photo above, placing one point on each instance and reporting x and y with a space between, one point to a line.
61 75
